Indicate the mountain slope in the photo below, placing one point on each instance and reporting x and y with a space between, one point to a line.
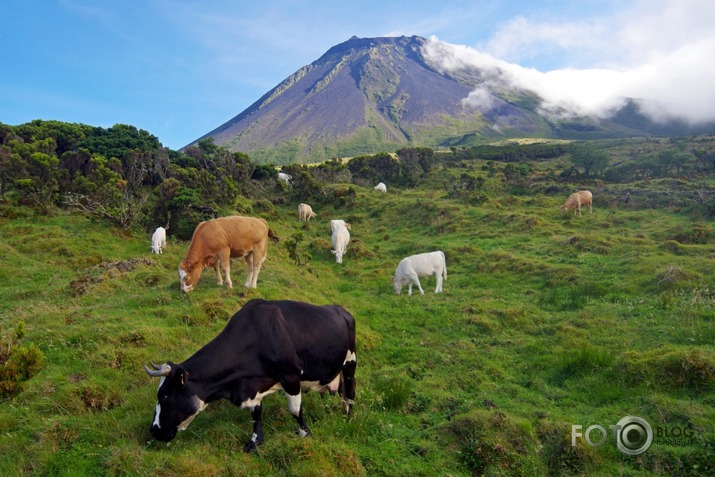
368 95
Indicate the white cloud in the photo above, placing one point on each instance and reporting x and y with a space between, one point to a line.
481 98
522 39
655 50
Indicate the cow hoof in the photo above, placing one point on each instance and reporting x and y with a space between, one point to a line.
250 447
303 432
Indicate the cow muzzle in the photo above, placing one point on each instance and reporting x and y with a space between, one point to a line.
161 434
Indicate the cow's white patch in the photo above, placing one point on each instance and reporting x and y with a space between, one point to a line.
157 410
200 406
294 403
332 386
256 400
302 433
350 357
182 277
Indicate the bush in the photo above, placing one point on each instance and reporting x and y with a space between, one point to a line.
17 363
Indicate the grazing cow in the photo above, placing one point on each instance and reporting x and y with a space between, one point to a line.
285 178
421 265
158 240
380 187
340 238
267 346
576 200
214 243
305 212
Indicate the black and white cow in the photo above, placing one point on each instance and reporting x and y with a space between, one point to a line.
267 346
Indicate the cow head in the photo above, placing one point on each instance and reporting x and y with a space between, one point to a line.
397 284
176 405
188 276
338 255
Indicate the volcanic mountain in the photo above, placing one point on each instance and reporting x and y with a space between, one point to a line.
370 95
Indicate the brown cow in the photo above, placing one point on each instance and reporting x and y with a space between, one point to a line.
576 200
214 243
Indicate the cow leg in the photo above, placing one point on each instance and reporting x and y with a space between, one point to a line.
295 406
250 265
439 282
347 383
257 263
257 436
417 282
219 278
225 259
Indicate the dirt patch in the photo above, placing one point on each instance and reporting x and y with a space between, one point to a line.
104 271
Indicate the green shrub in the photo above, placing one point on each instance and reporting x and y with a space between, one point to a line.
18 363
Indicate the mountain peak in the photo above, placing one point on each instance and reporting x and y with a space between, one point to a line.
369 95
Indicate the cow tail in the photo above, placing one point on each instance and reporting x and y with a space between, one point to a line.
274 238
444 266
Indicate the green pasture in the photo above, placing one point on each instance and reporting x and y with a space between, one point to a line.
547 320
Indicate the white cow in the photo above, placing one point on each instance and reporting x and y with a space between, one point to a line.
305 212
421 265
158 240
381 187
340 237
285 178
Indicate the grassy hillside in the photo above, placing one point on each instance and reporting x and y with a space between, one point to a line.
547 320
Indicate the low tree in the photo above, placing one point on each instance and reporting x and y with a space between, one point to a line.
589 158
673 158
39 185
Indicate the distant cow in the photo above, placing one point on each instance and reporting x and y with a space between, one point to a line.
576 200
380 187
267 346
158 240
214 243
421 265
305 212
340 238
285 178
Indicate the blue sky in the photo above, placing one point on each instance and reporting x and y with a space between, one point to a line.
179 69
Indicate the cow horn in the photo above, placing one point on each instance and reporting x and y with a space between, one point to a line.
158 371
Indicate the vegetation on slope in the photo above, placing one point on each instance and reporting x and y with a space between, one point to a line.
547 320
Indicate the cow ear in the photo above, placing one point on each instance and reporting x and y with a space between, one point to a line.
182 375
